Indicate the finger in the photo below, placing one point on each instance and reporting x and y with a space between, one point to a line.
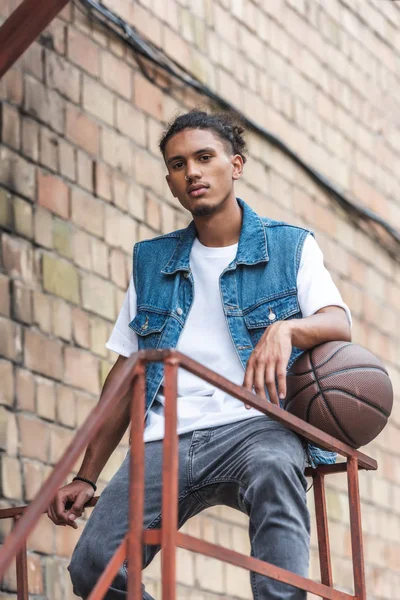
271 385
59 505
281 376
248 376
77 508
259 379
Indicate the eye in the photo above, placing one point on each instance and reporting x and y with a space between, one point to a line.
206 157
177 165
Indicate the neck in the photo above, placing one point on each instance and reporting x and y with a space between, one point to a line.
221 228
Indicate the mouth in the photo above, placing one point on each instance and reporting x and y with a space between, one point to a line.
197 190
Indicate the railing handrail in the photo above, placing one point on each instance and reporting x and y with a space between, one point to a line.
98 416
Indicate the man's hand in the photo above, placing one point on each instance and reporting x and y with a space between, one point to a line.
269 360
76 493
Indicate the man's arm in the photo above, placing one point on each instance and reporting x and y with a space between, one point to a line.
96 456
270 357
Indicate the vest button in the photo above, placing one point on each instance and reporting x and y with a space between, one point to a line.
179 311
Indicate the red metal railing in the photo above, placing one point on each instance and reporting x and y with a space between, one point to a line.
168 537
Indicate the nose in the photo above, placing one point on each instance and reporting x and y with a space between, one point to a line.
193 171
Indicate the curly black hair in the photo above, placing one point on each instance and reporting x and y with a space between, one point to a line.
226 125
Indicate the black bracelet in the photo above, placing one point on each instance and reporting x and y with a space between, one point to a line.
94 486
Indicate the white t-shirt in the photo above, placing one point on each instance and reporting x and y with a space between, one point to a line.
206 338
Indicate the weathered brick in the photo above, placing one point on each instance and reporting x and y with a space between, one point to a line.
34 437
16 173
98 100
82 249
83 52
99 254
131 122
8 432
10 339
85 168
53 194
118 270
17 258
155 131
136 201
55 574
11 86
66 540
43 227
6 218
60 278
44 104
102 181
167 218
22 303
149 171
67 161
147 97
120 191
43 355
147 24
66 406
62 322
80 327
42 311
81 370
87 212
30 138
45 398
23 218
117 151
48 149
35 574
4 296
98 296
41 539
153 211
99 334
10 126
63 77
116 74
120 229
82 130
84 406
62 237
11 481
7 383
177 48
25 390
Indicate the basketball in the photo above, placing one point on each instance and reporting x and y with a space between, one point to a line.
343 389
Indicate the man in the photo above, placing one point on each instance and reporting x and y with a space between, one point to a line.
243 295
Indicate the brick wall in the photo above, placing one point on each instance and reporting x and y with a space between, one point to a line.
81 180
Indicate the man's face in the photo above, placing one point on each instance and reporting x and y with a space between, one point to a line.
201 171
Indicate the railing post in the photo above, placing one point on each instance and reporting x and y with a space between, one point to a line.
322 529
169 527
356 530
136 496
22 571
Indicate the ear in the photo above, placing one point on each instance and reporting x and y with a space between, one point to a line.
237 166
167 177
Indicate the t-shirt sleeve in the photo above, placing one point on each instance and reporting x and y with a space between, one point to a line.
123 339
315 286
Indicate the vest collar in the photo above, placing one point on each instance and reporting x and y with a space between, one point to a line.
252 248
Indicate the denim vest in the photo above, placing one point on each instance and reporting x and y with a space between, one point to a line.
257 289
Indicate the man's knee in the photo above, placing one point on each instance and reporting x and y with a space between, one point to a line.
85 568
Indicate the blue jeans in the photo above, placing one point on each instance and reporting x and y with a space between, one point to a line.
255 466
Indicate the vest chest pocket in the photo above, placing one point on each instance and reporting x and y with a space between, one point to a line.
257 319
148 325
